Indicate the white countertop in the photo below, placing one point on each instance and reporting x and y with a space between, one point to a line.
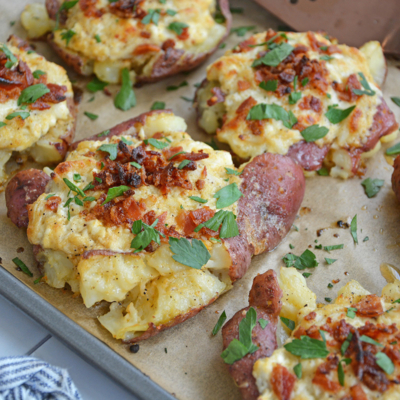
21 335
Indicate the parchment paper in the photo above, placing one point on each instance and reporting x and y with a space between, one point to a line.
192 367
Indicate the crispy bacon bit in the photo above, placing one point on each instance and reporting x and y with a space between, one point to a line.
200 183
168 44
321 378
56 95
310 316
241 113
52 203
185 34
318 46
145 34
127 9
243 85
189 220
311 103
146 48
357 393
245 46
354 120
282 382
89 8
345 89
370 306
218 96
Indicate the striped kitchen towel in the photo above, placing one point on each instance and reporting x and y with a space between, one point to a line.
23 378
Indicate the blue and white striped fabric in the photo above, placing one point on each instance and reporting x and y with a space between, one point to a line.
27 378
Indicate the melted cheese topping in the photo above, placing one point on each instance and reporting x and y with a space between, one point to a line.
18 134
127 277
120 37
233 69
304 388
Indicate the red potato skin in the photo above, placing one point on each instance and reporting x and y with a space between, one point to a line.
265 297
396 177
273 188
24 189
170 62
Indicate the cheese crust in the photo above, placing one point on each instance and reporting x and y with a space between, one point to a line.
375 317
91 251
321 71
44 129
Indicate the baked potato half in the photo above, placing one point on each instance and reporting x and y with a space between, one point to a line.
151 39
299 94
154 223
37 111
345 350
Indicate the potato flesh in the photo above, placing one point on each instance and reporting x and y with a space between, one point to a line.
36 21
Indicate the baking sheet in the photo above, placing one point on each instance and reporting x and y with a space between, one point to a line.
192 368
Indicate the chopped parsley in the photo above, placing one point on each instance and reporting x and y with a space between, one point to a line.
330 261
115 192
353 229
237 349
20 264
183 164
172 88
67 36
273 111
384 362
298 370
177 27
230 171
333 247
228 195
193 254
176 154
263 323
38 73
91 116
396 100
369 340
346 344
225 219
126 141
326 58
12 60
306 274
323 171
77 177
64 6
242 30
144 237
288 322
158 105
97 37
269 86
198 199
104 133
364 83
96 85
351 312
274 57
125 98
220 322
152 16
304 81
156 143
336 115
314 132
392 151
21 114
32 93
306 260
372 186
111 149
307 348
